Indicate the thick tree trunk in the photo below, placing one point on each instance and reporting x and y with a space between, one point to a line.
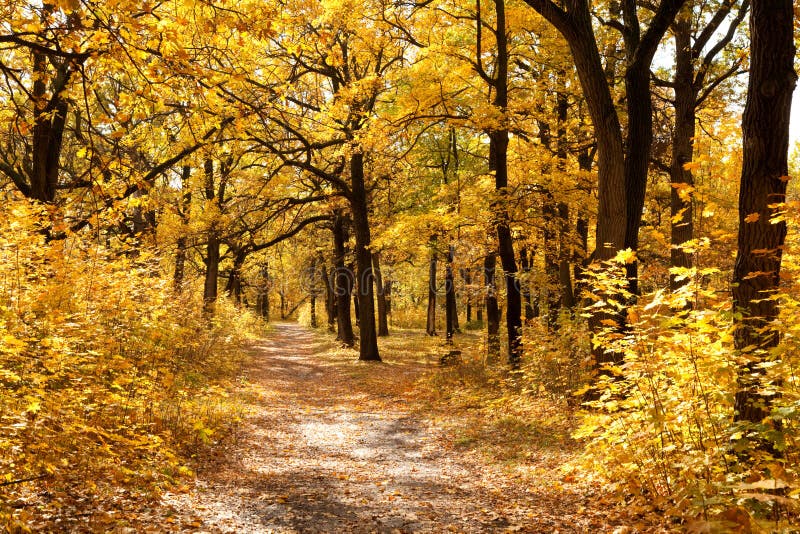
368 336
430 325
383 321
492 310
637 158
622 168
343 282
765 139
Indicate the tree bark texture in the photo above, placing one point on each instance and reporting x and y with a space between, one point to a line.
765 136
368 335
492 310
343 282
430 324
383 321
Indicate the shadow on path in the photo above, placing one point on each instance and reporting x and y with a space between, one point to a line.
321 453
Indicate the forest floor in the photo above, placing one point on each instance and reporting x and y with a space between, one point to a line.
335 445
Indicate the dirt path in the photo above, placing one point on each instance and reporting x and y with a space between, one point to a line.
329 450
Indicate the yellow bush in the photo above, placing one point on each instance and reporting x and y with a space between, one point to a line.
107 377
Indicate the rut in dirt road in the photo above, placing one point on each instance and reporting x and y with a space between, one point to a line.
324 453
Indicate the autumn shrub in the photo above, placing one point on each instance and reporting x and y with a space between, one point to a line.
107 377
662 432
557 356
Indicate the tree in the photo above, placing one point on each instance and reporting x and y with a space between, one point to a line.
623 156
765 135
695 78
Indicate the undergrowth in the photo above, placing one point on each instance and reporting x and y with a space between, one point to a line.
109 380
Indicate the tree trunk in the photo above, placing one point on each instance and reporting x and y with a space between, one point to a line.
466 274
368 336
551 259
212 247
682 226
50 115
184 210
313 292
430 326
383 321
330 295
356 310
262 301
765 139
525 265
234 286
492 310
387 292
343 282
498 162
450 296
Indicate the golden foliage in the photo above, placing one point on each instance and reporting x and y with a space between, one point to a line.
108 379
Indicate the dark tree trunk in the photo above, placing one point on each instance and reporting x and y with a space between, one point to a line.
343 282
765 139
622 167
356 310
450 296
564 259
212 272
498 162
637 159
682 228
50 115
368 335
212 246
330 295
564 253
262 301
184 210
234 286
313 292
492 310
383 321
551 259
387 292
525 265
466 274
430 326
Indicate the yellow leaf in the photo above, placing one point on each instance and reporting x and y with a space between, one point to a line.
33 406
753 217
626 256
